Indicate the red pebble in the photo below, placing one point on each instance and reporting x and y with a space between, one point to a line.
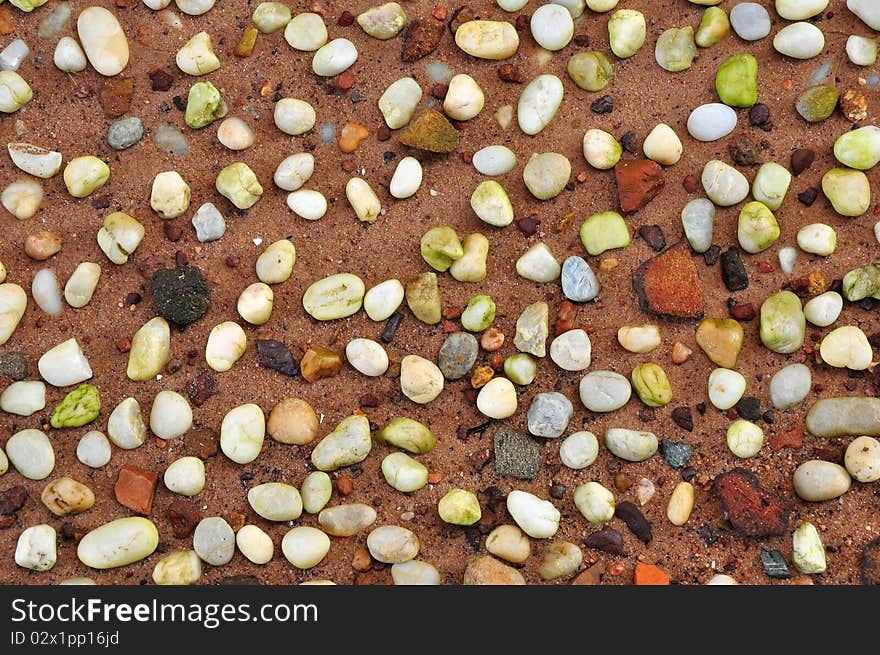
765 266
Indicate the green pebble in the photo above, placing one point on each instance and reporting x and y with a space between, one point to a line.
848 191
459 507
862 282
675 49
479 314
271 16
590 70
859 149
410 435
626 32
203 105
423 298
771 184
651 385
79 407
27 5
239 184
440 247
782 323
817 103
737 81
604 231
757 229
521 368
714 26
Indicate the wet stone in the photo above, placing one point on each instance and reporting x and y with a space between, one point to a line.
774 564
273 354
457 355
635 521
517 455
13 365
733 271
676 453
181 294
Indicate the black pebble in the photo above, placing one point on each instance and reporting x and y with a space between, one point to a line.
710 257
653 236
749 408
273 354
683 418
608 540
604 105
635 521
733 271
774 563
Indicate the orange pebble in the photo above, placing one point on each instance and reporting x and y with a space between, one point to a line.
434 477
6 26
352 136
648 574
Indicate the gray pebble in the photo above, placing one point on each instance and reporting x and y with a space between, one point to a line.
457 355
209 223
13 365
549 414
698 220
579 283
125 132
750 21
171 140
516 455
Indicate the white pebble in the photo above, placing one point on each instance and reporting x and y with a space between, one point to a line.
414 572
255 303
306 32
407 178
214 541
824 309
861 51
82 284
750 21
464 99
185 476
595 502
293 116
363 199
497 399
601 150
790 385
307 203
255 544
787 259
662 145
304 546
195 7
604 391
93 449
420 379
724 185
538 264
46 291
294 171
538 518
367 357
639 339
22 199
846 347
382 300
744 438
64 365
35 160
171 415
31 453
538 103
711 122
242 432
817 239
399 102
726 387
494 160
126 427
226 344
631 445
23 398
334 58
552 26
118 543
799 41
579 450
571 350
235 134
862 459
69 56
36 548
103 40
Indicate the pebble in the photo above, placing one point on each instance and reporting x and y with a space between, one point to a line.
494 160
721 579
579 450
538 103
675 453
255 303
65 496
150 350
346 520
681 504
226 344
771 184
799 40
197 57
15 93
486 39
333 58
808 553
103 40
392 544
782 323
572 350
698 220
757 228
414 572
181 294
275 501
538 264
294 171
308 204
538 518
315 491
509 543
459 507
125 132
195 7
814 105
604 231
662 145
790 385
209 223
724 185
631 445
363 200
382 300
861 51
383 22
750 21
560 559
846 347
859 148
744 438
464 98
235 134
170 415
497 398
552 26
787 259
595 502
13 302
294 116
532 329
546 174
349 443
517 455
590 70
774 564
214 541
367 357
848 191
125 427
84 175
800 9
835 417
182 567
866 10
242 432
93 449
171 140
35 548
306 32
35 160
118 543
639 339
817 480
549 414
404 473
64 365
491 204
601 150
862 459
42 245
579 282
185 476
334 297
733 271
457 355
604 391
23 398
407 178
711 122
420 379
626 32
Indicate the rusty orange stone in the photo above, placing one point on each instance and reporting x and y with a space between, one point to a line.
648 574
352 136
135 488
668 285
319 363
6 26
481 376
116 96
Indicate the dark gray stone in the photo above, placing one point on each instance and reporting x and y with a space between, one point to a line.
516 455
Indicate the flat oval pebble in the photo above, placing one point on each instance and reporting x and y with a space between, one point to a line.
538 103
698 220
23 398
538 518
93 449
494 160
487 39
214 541
790 385
31 453
724 184
862 459
457 355
711 122
103 40
294 171
333 297
334 58
306 32
118 543
604 391
631 445
392 544
726 387
367 357
242 432
552 26
549 414
307 203
407 178
572 350
382 300
420 379
579 282
276 501
414 572
579 450
346 520
399 102
799 41
36 548
497 399
538 264
750 21
817 480
185 476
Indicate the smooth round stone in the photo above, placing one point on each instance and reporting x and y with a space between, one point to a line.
509 543
867 10
817 239
171 415
560 559
846 416
724 185
226 344
817 480
399 102
316 491
333 297
125 427
185 476
414 572
487 39
859 148
846 347
590 70
36 548
860 50
538 264
31 453
771 184
255 544
494 160
757 228
800 9
235 134
626 32
68 56
579 450
367 357
276 501
552 26
711 122
125 132
787 259
334 58
790 385
80 581
304 546
64 365
46 293
726 387
103 40
579 283
179 568
639 339
538 103
346 520
799 41
491 204
407 178
849 191
382 300
721 579
681 504
549 414
307 203
744 438
698 220
65 496
294 116
23 398
782 323
214 541
601 150
662 145
750 21
459 507
348 444
93 449
117 543
392 544
512 5
420 379
545 175
195 7
464 98
824 309
862 459
572 350
457 355
631 445
675 49
538 518
209 223
497 399
595 502
242 432
275 263
294 171
604 391
404 473
306 32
